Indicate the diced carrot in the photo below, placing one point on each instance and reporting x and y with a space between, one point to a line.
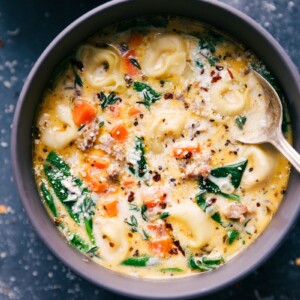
119 133
183 152
111 208
158 230
134 111
127 61
153 199
127 181
83 113
97 186
161 246
99 161
94 184
135 40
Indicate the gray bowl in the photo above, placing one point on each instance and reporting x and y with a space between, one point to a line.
214 13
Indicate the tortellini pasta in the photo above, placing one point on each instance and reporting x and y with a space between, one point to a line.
111 238
261 165
102 67
166 124
165 56
59 136
191 225
228 100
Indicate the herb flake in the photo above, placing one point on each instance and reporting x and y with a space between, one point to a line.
150 96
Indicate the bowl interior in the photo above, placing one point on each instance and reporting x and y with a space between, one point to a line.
226 19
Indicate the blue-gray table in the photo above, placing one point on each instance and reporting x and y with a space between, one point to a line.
27 269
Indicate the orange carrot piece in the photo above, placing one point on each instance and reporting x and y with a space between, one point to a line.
111 208
99 161
134 111
127 181
128 66
161 246
83 113
119 133
183 152
152 200
97 187
93 184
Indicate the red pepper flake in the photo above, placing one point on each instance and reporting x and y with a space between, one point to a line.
212 73
111 244
173 251
156 177
204 89
230 73
168 96
216 78
202 72
131 197
169 226
177 244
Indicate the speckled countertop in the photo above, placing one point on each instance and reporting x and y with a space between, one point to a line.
27 269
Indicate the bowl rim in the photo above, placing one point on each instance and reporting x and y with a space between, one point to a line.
175 288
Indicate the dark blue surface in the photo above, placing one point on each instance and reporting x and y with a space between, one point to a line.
27 269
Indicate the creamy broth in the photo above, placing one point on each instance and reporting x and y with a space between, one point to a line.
135 150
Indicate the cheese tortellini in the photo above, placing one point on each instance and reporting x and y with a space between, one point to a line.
165 56
111 238
63 132
166 124
228 100
102 67
191 225
261 165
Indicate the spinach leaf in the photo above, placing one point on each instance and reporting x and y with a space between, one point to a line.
150 96
232 236
139 261
213 60
164 215
217 217
201 200
172 270
78 243
240 121
80 207
106 101
235 171
208 186
204 264
48 199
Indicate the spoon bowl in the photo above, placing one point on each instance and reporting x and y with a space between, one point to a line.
271 131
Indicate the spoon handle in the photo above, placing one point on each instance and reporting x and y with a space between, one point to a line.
287 150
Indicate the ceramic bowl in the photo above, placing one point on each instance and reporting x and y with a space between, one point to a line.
212 12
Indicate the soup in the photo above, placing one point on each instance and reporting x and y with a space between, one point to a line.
136 154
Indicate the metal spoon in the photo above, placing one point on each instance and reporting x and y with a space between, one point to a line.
271 132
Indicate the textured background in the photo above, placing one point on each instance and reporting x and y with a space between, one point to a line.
27 269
